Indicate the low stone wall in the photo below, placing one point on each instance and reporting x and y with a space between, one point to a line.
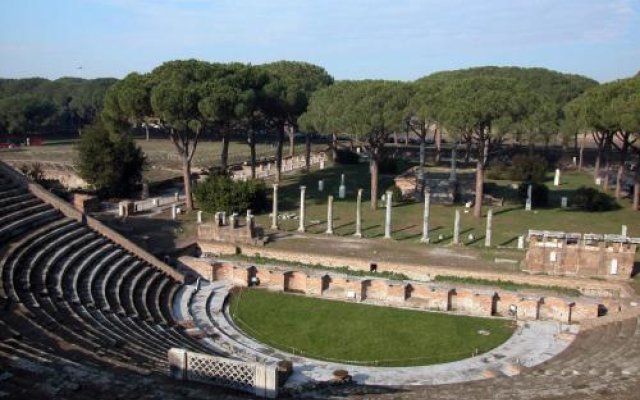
69 211
588 287
483 302
256 378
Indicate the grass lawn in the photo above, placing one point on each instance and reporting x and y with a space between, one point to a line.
362 334
509 221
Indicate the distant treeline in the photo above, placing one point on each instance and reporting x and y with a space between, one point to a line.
38 105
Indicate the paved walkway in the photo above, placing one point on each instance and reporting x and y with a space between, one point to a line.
533 343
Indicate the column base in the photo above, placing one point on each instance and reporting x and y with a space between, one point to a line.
425 240
358 235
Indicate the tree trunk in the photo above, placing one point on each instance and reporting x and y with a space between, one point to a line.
186 176
406 137
483 154
607 157
623 159
224 153
636 188
307 151
279 145
581 155
420 180
467 152
395 139
334 146
252 149
291 132
374 167
477 207
437 138
532 148
146 131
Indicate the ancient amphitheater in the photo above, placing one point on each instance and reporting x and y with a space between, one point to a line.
88 315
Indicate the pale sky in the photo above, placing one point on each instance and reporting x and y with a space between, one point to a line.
352 39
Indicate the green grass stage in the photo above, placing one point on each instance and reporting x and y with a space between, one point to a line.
362 334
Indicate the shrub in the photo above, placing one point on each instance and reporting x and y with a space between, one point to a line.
539 193
112 165
347 157
498 170
590 199
528 168
397 194
221 193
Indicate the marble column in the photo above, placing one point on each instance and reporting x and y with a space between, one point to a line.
359 215
387 218
425 217
199 216
301 227
274 211
487 236
456 228
329 230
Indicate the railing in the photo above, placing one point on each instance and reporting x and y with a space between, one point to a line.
256 378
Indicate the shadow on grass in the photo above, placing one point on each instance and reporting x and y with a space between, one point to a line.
509 241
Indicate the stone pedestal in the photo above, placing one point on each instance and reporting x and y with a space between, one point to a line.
342 190
624 231
527 205
520 242
564 202
321 185
200 217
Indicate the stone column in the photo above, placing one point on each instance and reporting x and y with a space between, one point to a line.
329 230
425 217
556 178
387 218
359 215
624 231
487 236
174 212
527 205
274 211
199 216
301 227
456 228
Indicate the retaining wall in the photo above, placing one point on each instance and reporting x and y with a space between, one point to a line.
483 302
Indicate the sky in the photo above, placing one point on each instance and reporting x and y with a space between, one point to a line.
352 39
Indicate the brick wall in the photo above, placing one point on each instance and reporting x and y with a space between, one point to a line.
556 257
482 302
587 286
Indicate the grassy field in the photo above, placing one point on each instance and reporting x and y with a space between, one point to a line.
161 154
363 334
510 220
